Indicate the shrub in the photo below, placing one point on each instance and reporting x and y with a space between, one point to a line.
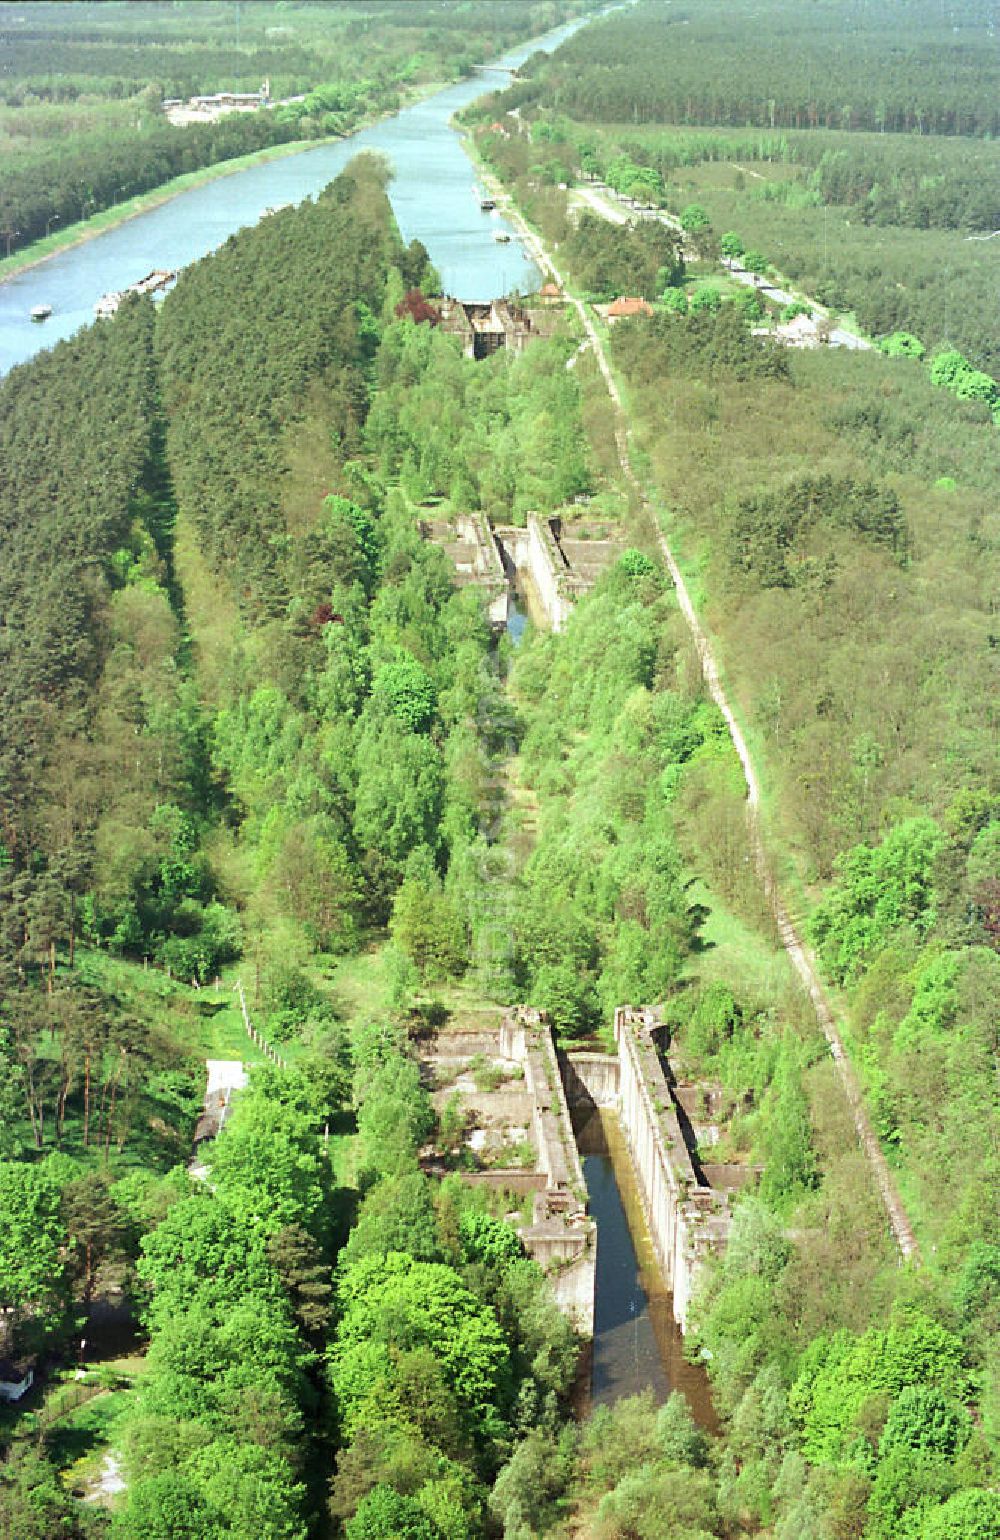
902 345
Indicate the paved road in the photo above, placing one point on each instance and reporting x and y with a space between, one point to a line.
801 957
839 338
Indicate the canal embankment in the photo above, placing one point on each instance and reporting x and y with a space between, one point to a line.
109 219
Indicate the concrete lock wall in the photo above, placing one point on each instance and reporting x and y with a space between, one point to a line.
534 551
591 1079
474 528
547 567
686 1220
562 1238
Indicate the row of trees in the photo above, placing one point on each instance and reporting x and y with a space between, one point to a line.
603 914
448 1345
238 1297
924 182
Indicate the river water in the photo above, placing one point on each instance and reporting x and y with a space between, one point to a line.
433 193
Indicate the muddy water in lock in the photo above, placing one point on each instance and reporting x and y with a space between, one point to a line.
637 1343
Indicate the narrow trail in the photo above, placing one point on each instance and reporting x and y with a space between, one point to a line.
801 957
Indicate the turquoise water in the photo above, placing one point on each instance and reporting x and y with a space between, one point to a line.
433 193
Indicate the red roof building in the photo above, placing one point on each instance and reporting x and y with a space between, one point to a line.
626 306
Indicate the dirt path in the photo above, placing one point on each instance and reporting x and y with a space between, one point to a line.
108 1483
801 957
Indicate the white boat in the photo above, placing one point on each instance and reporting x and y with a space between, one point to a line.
107 305
41 312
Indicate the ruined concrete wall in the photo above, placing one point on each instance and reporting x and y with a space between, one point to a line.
686 1220
561 1237
527 1040
590 1079
548 569
488 566
535 551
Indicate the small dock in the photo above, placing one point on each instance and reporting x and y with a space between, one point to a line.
156 282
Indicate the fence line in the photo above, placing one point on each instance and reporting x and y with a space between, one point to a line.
257 1037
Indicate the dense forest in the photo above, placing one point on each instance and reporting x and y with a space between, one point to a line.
861 69
252 729
58 52
98 74
891 229
56 184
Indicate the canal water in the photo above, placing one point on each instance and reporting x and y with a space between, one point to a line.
637 1343
433 193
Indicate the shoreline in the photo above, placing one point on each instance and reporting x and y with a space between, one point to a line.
142 203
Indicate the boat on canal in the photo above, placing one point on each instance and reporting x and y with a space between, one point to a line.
40 312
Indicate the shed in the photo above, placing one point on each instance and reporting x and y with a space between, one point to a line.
16 1378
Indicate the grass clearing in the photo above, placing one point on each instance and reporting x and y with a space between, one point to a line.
79 1441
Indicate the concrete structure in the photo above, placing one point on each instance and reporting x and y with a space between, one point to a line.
526 1104
685 1200
558 567
484 328
591 1079
468 541
556 562
687 1218
524 1138
224 1077
561 1237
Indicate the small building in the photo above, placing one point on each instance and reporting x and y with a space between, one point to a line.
800 332
627 306
16 1378
551 293
224 1077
